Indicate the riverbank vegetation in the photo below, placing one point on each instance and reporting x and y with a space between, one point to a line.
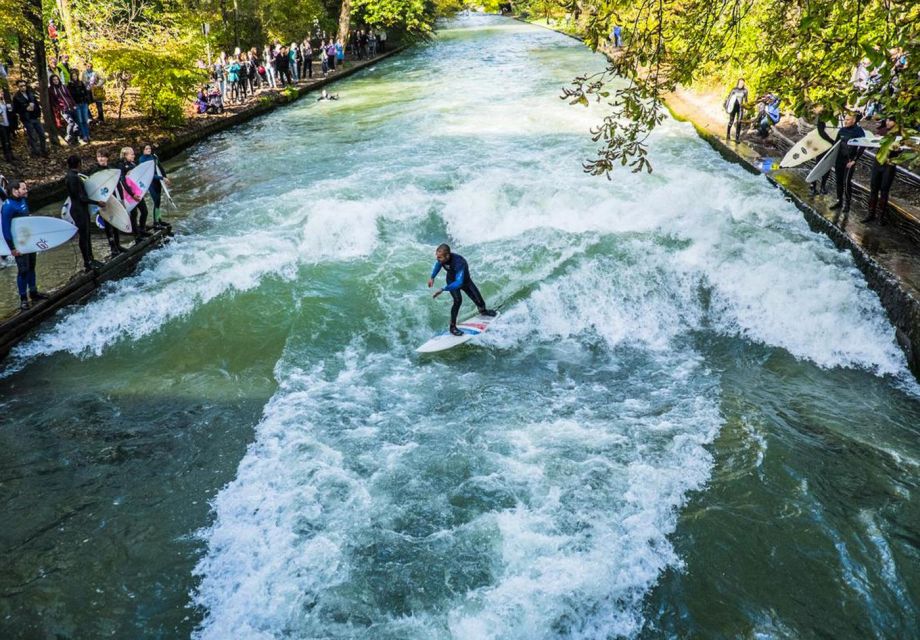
805 52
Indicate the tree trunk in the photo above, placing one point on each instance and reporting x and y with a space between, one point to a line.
41 67
33 13
236 23
72 39
344 22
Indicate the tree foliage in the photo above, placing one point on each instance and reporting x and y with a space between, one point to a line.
802 50
415 17
149 48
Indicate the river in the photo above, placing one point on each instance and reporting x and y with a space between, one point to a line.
691 419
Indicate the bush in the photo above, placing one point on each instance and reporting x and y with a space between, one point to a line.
164 74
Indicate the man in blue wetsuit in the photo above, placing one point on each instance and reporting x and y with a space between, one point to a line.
458 279
13 208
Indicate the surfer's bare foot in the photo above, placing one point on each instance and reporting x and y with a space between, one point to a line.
455 331
488 312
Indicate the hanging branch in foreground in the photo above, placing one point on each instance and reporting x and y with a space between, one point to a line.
798 49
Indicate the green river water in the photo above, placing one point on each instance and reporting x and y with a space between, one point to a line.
691 420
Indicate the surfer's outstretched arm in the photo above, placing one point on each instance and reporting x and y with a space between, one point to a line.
457 283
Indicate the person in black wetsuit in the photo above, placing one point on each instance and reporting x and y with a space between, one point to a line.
458 279
883 175
845 164
734 107
79 211
102 163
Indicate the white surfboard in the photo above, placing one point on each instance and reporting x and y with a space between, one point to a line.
869 142
101 185
470 328
825 165
874 142
32 234
114 213
808 148
140 178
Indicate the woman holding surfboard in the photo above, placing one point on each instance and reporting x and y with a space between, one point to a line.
156 187
126 189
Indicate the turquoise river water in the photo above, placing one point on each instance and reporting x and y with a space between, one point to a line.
691 420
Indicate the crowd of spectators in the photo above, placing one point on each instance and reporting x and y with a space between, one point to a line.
240 76
71 92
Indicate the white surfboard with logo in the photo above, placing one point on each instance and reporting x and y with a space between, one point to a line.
471 328
32 234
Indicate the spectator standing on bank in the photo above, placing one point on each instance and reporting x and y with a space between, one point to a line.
768 115
381 40
64 108
4 75
256 72
62 69
220 72
6 132
883 175
283 65
233 77
330 54
323 58
29 112
81 97
339 53
307 50
95 83
268 62
734 107
15 206
294 55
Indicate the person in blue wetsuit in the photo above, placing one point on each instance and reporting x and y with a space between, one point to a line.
458 279
15 207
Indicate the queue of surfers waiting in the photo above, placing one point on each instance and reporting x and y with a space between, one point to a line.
844 142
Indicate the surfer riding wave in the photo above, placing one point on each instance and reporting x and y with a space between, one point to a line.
458 279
